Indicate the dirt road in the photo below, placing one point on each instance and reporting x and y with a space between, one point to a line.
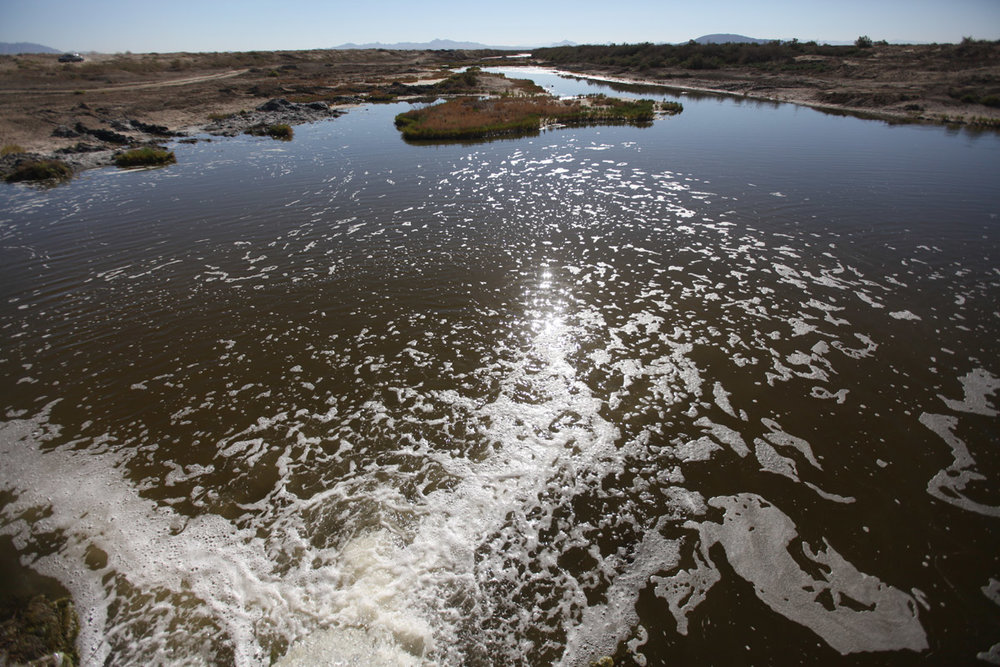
129 86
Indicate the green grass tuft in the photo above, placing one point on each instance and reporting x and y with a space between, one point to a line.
145 157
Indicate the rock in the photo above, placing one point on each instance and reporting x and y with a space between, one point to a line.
103 135
277 104
158 130
65 132
80 147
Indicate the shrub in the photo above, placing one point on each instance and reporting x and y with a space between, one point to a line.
145 157
11 149
41 170
281 131
863 42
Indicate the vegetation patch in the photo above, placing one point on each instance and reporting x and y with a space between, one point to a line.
989 98
41 170
145 157
42 633
281 131
11 149
472 118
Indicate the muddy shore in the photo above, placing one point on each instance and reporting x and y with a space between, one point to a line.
83 113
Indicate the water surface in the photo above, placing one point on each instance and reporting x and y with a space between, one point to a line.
717 391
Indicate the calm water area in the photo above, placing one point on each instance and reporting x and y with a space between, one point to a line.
721 390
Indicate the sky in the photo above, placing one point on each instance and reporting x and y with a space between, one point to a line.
143 26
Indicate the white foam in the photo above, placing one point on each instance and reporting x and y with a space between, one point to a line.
92 505
757 537
949 484
603 626
978 385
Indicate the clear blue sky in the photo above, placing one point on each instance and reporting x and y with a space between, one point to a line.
240 25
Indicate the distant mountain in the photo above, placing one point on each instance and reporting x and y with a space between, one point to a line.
439 45
8 48
722 38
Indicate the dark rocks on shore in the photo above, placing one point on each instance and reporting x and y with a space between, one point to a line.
65 132
80 147
84 155
132 125
274 111
104 135
277 104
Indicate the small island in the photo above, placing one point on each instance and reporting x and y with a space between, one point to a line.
519 113
473 118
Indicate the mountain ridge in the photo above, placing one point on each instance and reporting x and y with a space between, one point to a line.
729 38
440 45
13 48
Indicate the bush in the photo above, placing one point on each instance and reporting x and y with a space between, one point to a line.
11 149
41 170
863 42
145 157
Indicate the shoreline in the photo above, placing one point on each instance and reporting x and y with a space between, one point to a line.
86 156
84 114
964 116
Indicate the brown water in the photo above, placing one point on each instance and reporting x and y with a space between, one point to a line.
718 391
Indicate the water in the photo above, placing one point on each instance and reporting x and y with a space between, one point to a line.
722 390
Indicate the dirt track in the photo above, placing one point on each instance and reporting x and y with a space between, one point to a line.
129 86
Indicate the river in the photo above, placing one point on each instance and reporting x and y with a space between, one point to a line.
721 390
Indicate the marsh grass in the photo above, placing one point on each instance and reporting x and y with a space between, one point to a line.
41 170
471 118
145 157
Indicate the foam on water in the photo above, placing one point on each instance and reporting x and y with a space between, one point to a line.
477 423
850 610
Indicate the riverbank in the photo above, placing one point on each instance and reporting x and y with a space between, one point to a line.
955 84
83 113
